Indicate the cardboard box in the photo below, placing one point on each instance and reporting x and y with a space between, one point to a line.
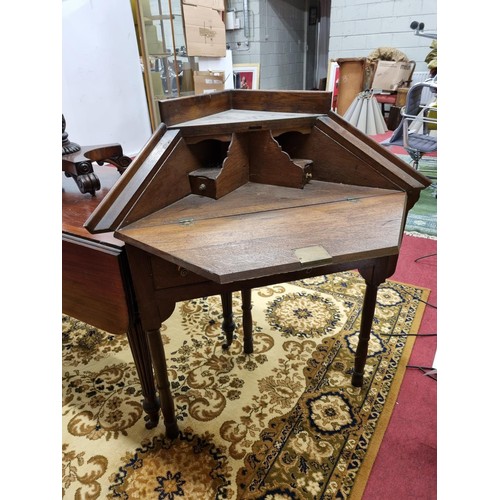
206 82
390 75
205 31
220 64
212 4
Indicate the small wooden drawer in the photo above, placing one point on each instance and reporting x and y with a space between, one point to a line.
168 275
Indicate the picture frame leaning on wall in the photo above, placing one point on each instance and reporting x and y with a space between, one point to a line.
246 76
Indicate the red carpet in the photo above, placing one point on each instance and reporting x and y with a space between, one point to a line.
406 465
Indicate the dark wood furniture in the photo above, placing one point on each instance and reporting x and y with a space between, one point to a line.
241 189
78 164
97 286
355 76
77 161
96 283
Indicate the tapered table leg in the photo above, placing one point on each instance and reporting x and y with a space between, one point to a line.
228 323
160 368
367 314
246 299
373 276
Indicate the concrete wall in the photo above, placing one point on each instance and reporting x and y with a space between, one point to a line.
359 26
278 29
276 41
282 54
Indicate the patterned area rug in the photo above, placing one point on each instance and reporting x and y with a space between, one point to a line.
422 218
282 423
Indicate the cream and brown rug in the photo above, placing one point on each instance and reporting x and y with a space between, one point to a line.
281 423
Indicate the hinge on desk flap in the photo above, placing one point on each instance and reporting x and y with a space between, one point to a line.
185 222
313 255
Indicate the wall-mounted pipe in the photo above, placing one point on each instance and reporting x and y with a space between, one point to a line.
246 20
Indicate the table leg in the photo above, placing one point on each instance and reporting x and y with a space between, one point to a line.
227 312
160 368
246 299
142 359
367 314
373 276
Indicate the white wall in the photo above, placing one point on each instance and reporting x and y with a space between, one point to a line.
359 26
103 96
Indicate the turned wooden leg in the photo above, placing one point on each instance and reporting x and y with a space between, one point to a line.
367 314
142 360
227 312
160 369
246 299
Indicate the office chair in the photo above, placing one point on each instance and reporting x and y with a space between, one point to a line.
418 121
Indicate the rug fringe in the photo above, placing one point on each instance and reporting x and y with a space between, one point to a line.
420 235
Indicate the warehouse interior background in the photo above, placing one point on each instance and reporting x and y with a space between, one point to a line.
35 75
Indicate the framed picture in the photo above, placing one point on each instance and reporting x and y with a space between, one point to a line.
332 78
332 81
246 76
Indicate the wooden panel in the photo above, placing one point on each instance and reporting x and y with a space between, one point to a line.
169 183
252 245
372 151
168 275
85 267
291 101
169 294
173 111
343 155
88 259
233 173
252 197
269 164
235 167
244 120
77 207
352 80
335 163
117 204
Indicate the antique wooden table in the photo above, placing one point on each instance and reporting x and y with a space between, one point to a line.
96 283
242 189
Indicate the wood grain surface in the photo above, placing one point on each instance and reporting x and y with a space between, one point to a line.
226 243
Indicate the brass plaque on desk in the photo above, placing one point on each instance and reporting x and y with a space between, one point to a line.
313 255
